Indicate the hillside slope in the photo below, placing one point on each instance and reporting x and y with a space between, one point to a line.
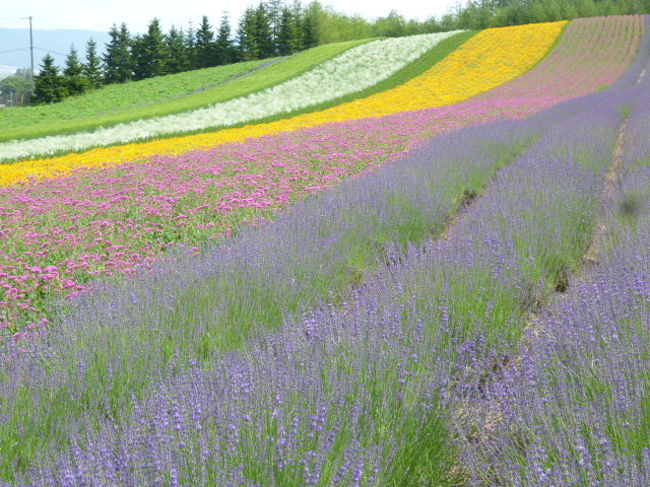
262 79
120 96
352 71
490 58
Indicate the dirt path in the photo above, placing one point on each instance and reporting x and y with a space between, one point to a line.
608 201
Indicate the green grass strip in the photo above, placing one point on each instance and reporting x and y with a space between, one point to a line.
123 96
259 80
425 62
422 64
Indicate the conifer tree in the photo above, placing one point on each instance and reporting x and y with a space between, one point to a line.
287 35
93 67
48 84
309 36
263 36
246 43
224 46
274 10
73 74
204 45
311 17
298 14
138 56
151 52
177 55
118 61
190 46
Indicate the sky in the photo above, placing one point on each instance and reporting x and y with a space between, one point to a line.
101 14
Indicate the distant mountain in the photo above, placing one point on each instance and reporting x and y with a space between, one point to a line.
56 41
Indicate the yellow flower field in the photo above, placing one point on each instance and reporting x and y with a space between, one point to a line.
490 58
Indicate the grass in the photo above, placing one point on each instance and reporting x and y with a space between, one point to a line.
413 69
123 96
219 313
259 80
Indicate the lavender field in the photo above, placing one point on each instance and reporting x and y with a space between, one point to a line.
469 310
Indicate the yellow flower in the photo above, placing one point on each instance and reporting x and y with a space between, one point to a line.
485 61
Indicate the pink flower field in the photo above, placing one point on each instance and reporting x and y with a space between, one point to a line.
58 235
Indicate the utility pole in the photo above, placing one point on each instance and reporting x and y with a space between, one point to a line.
31 42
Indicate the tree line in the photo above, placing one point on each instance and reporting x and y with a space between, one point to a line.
268 30
274 28
481 14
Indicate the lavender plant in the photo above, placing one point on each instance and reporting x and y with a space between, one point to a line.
363 390
576 409
114 341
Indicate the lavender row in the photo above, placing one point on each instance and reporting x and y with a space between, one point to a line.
105 346
124 365
577 410
362 391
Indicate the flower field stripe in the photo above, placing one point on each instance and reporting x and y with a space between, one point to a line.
291 268
152 302
487 59
102 156
352 71
353 392
272 75
236 176
589 422
569 69
119 97
439 119
515 99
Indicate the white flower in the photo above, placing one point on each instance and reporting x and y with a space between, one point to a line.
354 70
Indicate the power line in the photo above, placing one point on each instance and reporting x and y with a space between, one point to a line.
14 50
49 51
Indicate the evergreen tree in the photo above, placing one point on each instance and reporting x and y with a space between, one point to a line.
246 43
205 55
118 61
138 55
224 46
93 66
48 84
287 42
264 40
309 35
274 9
177 55
151 54
190 47
298 14
73 74
311 18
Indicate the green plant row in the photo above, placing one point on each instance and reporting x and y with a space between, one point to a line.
123 96
262 79
233 301
416 68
